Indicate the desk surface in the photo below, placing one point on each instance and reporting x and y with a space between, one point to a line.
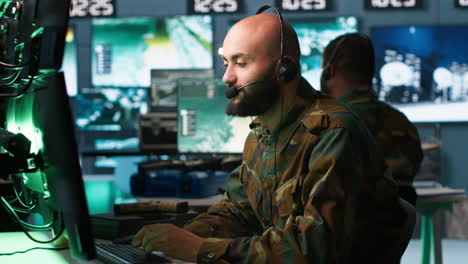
442 198
18 241
441 194
208 201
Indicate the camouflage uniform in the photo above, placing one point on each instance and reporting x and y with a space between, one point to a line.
316 201
394 133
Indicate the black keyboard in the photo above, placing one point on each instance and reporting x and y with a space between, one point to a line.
126 254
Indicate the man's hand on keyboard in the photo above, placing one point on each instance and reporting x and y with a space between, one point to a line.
170 239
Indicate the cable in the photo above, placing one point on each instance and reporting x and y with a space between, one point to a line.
21 222
62 228
26 86
17 66
13 200
8 79
25 225
25 89
36 32
24 210
30 206
24 251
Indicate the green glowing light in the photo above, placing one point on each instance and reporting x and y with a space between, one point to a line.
100 195
25 179
37 32
20 120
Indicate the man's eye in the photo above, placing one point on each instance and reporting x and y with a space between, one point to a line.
241 64
225 65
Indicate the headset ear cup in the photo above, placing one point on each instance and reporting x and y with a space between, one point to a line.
287 71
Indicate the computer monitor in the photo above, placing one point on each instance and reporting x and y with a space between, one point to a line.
423 71
163 92
314 35
56 186
158 129
42 160
124 50
203 125
107 118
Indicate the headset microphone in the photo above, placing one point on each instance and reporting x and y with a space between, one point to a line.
233 91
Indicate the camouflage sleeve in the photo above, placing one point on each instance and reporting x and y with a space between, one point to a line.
395 134
231 217
337 201
404 154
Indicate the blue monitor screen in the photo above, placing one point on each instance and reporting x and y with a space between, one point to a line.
69 64
203 125
126 49
107 118
110 109
423 71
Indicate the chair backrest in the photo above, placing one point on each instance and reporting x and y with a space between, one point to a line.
395 253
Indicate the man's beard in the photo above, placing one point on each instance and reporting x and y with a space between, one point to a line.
257 99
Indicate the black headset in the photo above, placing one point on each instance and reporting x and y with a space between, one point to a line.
288 68
326 73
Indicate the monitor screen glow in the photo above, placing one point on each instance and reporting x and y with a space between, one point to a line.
423 71
203 125
314 35
126 49
107 118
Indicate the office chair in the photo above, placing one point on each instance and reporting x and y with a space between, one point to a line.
395 252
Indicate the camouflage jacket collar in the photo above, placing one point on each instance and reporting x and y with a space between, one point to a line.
289 121
363 94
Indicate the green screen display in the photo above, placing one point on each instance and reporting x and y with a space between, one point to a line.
126 49
203 125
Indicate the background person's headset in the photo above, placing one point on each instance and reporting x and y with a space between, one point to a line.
288 68
326 72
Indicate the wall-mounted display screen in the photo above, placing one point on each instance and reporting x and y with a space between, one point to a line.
124 50
163 85
107 118
461 3
214 6
393 4
423 71
314 35
304 5
203 125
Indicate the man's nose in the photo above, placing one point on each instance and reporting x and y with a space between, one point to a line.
229 76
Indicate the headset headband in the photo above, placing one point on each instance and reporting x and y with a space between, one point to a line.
335 51
265 7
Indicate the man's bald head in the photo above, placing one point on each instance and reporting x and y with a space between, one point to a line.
252 55
261 33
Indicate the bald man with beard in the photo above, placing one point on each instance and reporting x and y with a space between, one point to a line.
312 186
